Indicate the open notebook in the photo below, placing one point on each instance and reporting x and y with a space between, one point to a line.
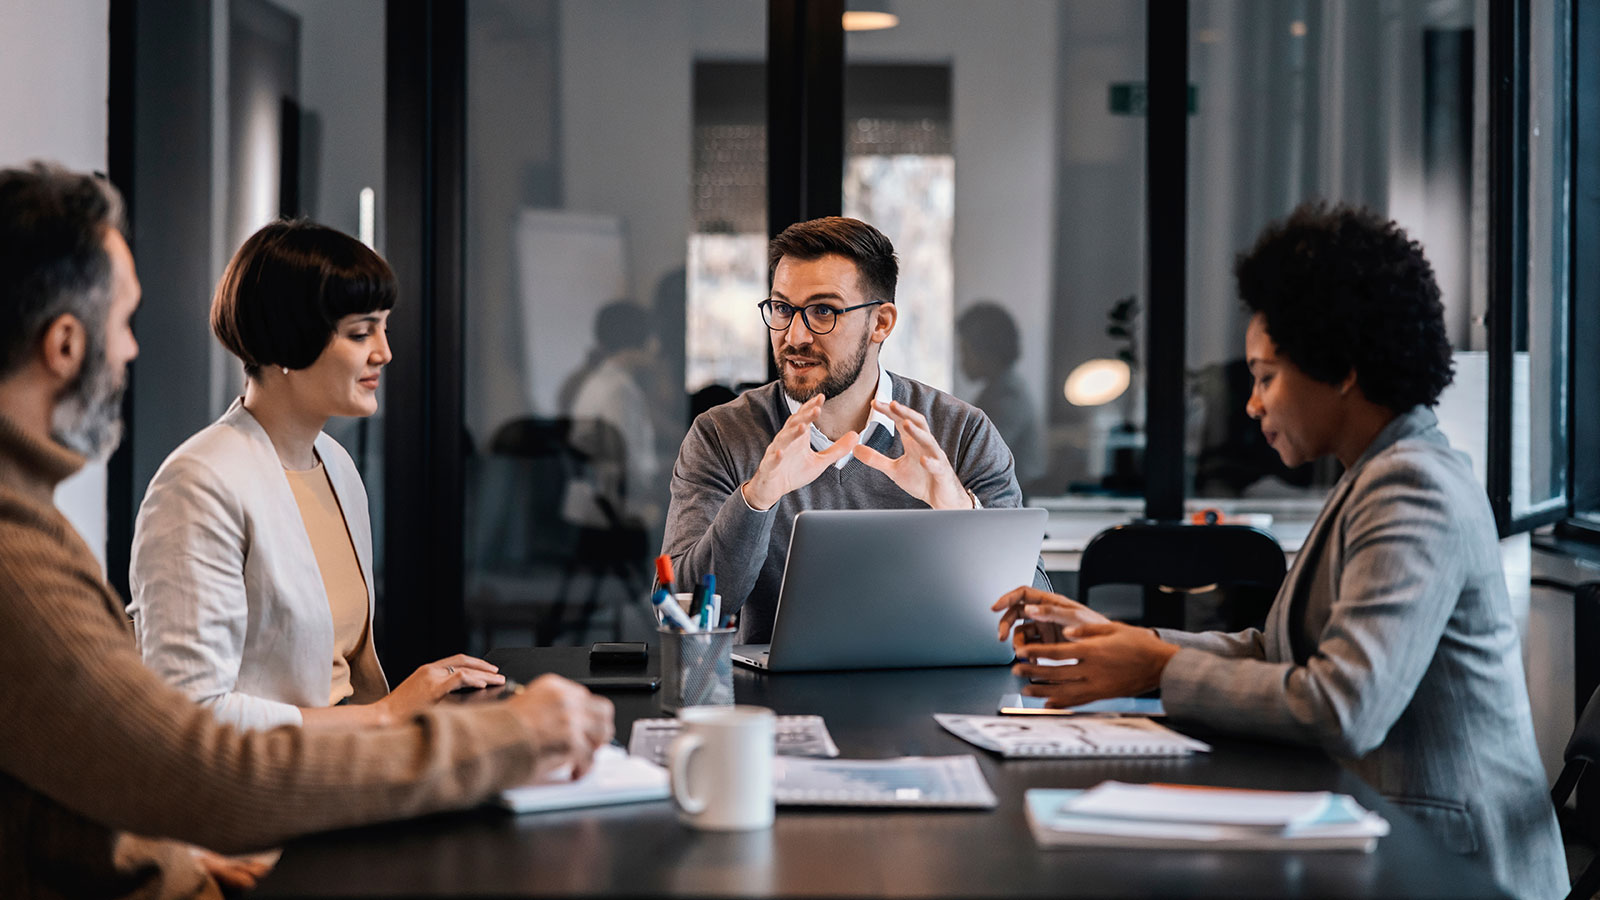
615 778
1011 736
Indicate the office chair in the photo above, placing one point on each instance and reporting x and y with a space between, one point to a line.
1583 749
551 498
1173 562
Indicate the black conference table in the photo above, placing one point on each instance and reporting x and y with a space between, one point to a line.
641 850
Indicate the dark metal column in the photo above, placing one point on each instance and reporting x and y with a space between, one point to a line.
1166 162
805 111
1585 369
121 492
805 114
421 605
1508 237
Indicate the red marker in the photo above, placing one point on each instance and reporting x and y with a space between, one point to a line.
664 572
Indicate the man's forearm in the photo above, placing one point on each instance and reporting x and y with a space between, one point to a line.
732 544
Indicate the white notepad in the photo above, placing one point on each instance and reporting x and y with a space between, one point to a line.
615 778
1206 805
925 781
1127 736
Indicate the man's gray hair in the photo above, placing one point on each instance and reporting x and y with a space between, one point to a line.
53 259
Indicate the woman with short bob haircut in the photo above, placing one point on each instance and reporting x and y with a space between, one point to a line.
252 553
1392 644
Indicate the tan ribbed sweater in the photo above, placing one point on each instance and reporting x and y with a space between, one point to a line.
95 749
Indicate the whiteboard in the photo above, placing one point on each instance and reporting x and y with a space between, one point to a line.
569 265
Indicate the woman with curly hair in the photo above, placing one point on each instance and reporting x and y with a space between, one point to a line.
1392 643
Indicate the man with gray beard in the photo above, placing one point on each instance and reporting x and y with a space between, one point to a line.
835 431
105 770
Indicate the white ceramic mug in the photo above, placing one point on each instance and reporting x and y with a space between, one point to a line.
721 767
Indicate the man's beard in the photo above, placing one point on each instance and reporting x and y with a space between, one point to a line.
836 382
89 419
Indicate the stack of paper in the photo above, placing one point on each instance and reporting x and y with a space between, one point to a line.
1182 816
615 777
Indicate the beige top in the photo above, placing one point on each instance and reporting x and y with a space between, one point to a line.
341 571
228 600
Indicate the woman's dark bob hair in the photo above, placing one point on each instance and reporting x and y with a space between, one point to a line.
285 291
1343 289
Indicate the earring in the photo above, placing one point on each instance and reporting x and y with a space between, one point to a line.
285 369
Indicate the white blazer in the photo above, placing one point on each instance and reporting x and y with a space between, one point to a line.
228 602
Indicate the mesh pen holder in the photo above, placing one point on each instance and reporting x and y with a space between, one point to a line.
696 668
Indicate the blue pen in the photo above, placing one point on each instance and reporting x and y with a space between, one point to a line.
708 590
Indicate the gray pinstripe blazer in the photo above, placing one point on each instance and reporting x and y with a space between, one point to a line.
1392 646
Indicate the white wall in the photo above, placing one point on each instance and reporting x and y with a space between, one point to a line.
53 65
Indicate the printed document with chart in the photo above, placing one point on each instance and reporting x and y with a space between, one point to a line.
1129 736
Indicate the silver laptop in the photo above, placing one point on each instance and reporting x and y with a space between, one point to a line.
887 589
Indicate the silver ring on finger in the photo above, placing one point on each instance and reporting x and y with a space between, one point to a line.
450 670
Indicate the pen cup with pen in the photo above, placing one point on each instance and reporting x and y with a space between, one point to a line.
696 668
696 654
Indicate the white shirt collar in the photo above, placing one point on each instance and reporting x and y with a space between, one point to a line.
820 441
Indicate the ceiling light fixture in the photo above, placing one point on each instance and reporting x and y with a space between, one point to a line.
869 15
869 20
1096 382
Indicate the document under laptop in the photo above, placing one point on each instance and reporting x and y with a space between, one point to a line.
886 589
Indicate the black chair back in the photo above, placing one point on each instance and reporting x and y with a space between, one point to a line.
1583 748
1584 745
1173 561
553 503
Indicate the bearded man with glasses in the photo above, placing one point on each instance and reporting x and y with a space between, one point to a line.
835 431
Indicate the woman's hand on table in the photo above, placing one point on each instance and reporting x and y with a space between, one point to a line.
431 683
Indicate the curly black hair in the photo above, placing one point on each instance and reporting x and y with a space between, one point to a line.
1343 288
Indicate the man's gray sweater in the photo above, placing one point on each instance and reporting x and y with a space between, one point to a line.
710 527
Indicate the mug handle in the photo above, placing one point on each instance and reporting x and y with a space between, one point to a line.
683 747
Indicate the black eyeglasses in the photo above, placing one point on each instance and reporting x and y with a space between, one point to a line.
820 318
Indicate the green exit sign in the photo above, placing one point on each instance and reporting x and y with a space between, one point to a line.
1132 98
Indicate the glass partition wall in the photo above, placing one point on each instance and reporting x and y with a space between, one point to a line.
615 250
1369 102
615 230
615 235
574 193
989 142
1387 104
242 111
